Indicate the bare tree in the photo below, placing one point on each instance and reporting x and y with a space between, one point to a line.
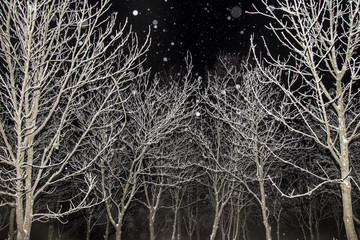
191 210
154 186
319 78
156 110
212 138
233 214
57 59
169 166
233 96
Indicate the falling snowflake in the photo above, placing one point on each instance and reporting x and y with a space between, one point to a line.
131 74
197 114
135 12
236 12
165 59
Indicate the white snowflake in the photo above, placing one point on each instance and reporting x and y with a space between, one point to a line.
236 12
131 74
135 12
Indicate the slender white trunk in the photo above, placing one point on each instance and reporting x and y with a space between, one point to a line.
51 229
118 232
347 206
173 236
264 211
178 235
215 227
310 222
106 235
88 224
152 223
345 186
24 217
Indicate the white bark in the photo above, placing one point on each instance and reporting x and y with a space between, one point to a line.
155 112
322 38
54 69
234 94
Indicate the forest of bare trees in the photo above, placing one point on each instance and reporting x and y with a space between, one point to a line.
95 146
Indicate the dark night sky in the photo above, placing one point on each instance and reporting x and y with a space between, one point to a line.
203 27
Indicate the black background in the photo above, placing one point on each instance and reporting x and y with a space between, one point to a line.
204 28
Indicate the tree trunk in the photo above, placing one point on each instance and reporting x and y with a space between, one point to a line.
223 229
173 236
237 223
88 223
106 235
243 226
278 229
216 223
344 163
118 232
264 211
303 230
317 230
310 223
51 229
197 217
347 207
198 231
178 235
23 218
151 223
